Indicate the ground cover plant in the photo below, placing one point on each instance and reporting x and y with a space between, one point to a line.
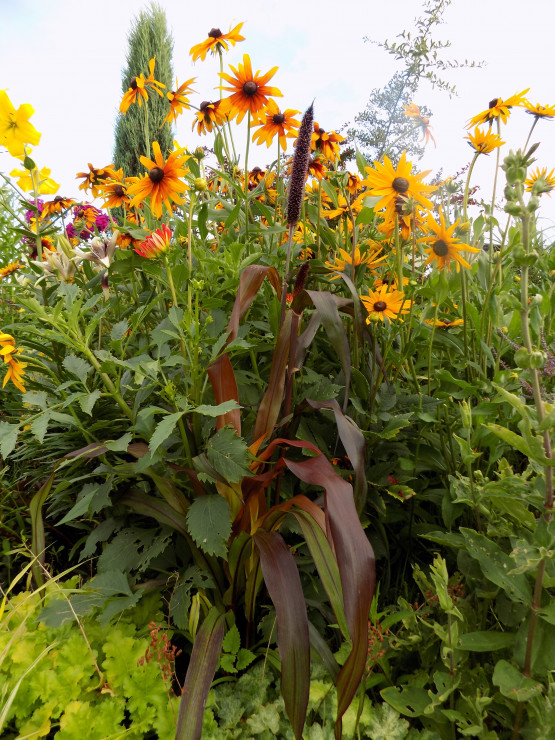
276 443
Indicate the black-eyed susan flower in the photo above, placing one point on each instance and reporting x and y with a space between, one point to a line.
316 168
443 246
208 115
8 353
385 303
10 268
250 92
162 183
484 142
15 129
326 142
371 258
445 323
114 190
28 180
179 100
138 88
156 244
540 181
394 183
413 111
499 108
274 123
353 184
216 42
540 111
57 205
94 177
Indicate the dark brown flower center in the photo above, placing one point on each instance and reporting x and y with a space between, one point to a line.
214 33
278 118
440 248
493 103
400 184
119 191
58 198
156 174
80 213
133 83
204 105
380 306
250 88
446 322
321 131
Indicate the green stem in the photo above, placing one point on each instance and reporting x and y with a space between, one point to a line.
247 178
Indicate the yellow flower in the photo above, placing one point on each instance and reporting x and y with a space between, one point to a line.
46 184
138 89
326 142
10 268
162 183
443 245
499 108
15 129
371 258
216 42
274 122
385 303
394 183
8 351
94 177
178 100
208 115
540 111
484 142
444 323
250 92
541 181
413 111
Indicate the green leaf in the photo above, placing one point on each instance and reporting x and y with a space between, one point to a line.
531 447
219 410
87 402
485 642
119 330
229 455
8 437
40 425
209 523
164 429
496 565
232 641
121 444
77 366
408 700
513 684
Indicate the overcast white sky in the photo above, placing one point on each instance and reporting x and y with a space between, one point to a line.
65 59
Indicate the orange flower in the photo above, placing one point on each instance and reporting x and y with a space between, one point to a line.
179 100
114 190
209 114
15 367
155 244
138 89
57 205
250 92
10 268
162 183
444 247
94 177
326 142
276 123
413 111
216 42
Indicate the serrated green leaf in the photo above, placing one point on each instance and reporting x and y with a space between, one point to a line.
40 425
232 641
119 330
8 437
244 659
164 429
121 444
209 524
87 402
219 410
77 366
229 455
35 398
513 684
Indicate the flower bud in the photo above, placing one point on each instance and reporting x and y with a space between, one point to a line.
201 184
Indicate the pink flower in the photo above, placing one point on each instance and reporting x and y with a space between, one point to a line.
155 244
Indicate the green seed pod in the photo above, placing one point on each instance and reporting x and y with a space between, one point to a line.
513 209
538 358
522 358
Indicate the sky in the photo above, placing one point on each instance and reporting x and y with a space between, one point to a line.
65 59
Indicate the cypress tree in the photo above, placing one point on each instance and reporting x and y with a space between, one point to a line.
149 37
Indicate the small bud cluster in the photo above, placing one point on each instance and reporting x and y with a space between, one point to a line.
516 166
161 650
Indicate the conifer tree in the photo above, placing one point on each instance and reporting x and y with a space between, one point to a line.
149 37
